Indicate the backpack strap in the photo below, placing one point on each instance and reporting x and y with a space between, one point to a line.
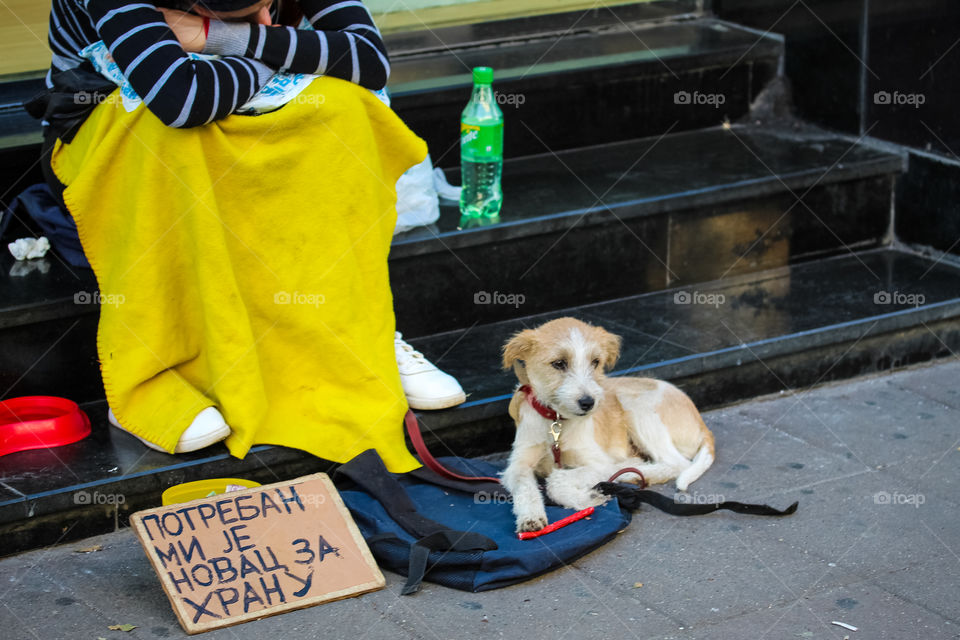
447 540
369 473
416 438
631 498
420 551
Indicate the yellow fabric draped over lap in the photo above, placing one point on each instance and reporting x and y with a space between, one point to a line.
243 265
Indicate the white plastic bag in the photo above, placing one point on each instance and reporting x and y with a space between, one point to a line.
445 190
417 202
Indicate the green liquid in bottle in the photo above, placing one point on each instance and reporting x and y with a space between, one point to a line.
481 149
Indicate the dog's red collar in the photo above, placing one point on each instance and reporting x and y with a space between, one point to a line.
540 408
553 416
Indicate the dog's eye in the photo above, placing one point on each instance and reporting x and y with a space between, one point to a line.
596 363
559 365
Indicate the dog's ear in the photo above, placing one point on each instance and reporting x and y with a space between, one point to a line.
609 348
518 347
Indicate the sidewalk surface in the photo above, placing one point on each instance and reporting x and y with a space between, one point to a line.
875 544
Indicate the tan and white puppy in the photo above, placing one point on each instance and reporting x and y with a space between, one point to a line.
605 424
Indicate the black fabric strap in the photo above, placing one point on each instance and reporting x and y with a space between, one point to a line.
369 473
440 541
631 498
75 94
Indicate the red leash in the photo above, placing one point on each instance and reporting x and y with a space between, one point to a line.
643 480
413 428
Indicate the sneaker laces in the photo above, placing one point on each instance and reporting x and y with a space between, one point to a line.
407 356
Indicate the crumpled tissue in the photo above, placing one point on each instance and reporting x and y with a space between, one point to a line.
29 248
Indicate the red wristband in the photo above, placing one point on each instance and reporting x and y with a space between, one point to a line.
206 27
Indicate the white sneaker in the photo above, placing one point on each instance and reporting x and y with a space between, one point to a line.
207 428
425 386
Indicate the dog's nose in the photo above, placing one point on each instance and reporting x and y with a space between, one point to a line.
586 403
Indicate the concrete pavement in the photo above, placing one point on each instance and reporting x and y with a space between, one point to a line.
875 544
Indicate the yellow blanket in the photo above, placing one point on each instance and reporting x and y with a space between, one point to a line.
243 265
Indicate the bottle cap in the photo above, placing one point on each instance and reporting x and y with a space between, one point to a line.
482 75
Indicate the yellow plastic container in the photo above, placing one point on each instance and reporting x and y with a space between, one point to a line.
201 489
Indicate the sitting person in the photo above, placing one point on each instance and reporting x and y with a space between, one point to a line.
190 216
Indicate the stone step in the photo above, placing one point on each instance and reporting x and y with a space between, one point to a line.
722 341
578 227
599 80
595 223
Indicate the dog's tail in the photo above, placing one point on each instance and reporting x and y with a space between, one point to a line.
699 465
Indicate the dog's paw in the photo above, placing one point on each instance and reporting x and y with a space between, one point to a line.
531 523
584 499
594 498
574 489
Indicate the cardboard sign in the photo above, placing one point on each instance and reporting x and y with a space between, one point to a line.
254 553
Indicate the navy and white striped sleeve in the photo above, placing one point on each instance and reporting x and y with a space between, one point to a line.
182 92
346 43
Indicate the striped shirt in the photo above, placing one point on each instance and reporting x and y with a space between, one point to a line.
183 92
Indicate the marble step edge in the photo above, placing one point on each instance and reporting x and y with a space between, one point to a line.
765 184
142 489
884 162
417 42
728 358
761 46
152 482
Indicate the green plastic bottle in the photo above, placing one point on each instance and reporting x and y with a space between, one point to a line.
481 149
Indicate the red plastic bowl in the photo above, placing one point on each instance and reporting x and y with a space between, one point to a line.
40 422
